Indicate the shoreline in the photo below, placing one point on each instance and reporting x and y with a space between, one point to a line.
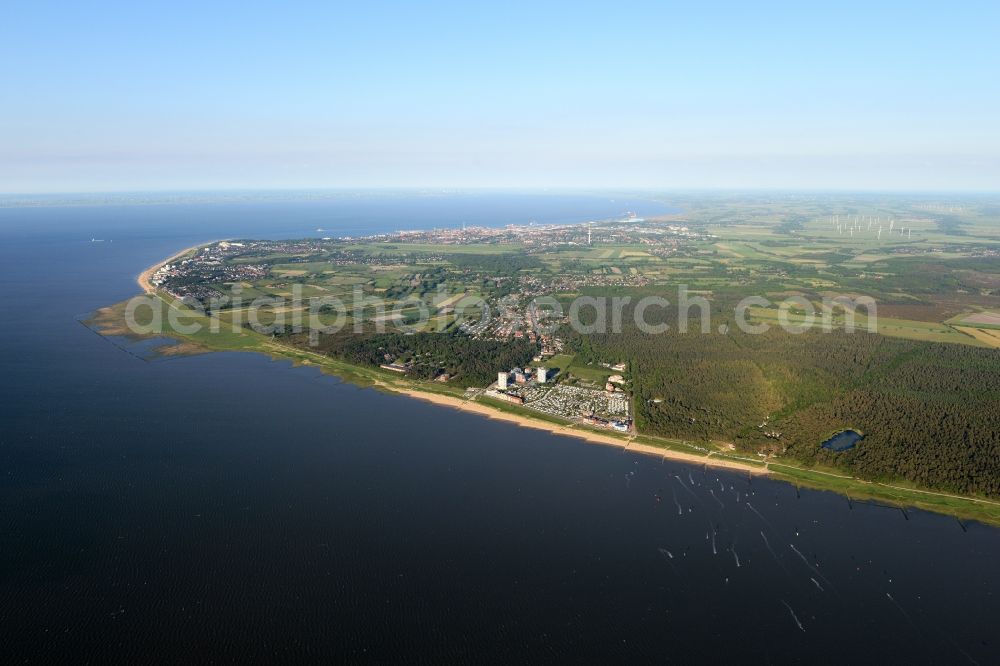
568 430
412 390
969 507
857 490
142 279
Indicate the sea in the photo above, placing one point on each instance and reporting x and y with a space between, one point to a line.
227 507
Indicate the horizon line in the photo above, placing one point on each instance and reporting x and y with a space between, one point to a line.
533 189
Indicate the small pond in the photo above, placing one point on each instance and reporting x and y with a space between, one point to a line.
843 441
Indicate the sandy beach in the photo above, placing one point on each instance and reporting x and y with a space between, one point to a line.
568 430
143 278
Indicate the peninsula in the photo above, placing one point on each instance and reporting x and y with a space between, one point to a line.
454 317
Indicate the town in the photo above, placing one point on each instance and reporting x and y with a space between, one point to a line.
532 388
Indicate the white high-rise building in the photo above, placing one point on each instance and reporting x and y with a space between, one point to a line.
502 380
541 374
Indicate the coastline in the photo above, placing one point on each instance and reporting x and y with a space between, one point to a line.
568 430
142 279
850 487
480 409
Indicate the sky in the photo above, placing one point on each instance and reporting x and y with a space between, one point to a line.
126 96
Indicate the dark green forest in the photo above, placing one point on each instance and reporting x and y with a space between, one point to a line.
466 360
930 412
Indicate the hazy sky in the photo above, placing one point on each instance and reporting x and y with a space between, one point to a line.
147 95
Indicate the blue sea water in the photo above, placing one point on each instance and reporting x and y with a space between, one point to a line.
227 507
